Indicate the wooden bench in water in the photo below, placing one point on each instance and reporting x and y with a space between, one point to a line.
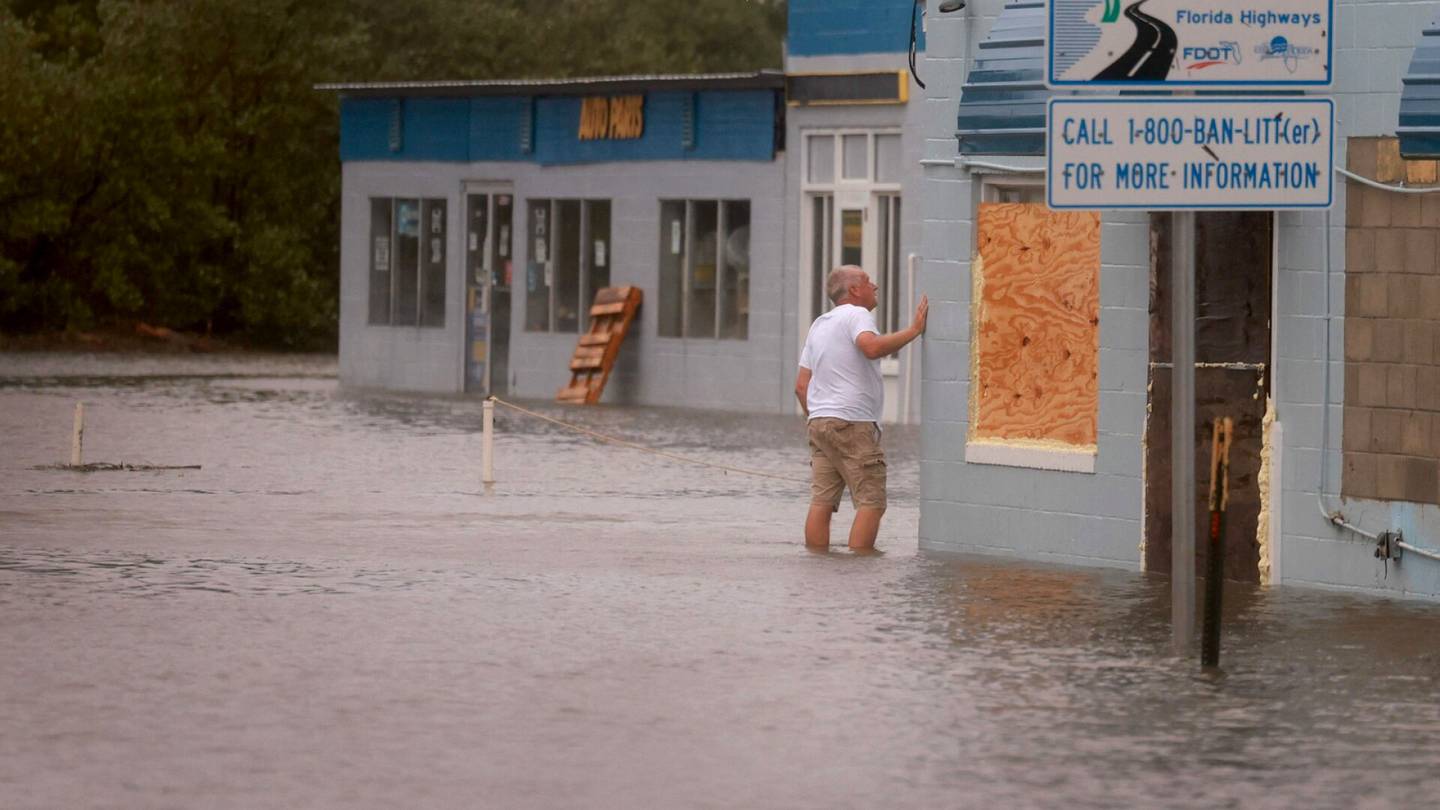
610 319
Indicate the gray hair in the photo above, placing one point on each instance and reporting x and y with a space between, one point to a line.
837 284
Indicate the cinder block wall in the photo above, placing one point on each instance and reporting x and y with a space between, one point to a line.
1392 331
1090 519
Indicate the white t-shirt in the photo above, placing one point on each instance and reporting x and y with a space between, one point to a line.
844 383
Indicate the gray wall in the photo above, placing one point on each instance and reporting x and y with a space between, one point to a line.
1375 42
735 375
1097 519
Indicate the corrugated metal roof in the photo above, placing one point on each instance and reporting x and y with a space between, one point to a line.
1419 128
764 79
1002 104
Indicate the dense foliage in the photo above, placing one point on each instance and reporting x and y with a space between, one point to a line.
169 161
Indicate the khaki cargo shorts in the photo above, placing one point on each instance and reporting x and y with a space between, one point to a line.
846 454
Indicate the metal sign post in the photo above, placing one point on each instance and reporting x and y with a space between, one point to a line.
1182 432
1189 154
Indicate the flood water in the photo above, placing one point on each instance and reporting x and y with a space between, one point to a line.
333 612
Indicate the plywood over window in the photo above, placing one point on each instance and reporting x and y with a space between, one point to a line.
1036 330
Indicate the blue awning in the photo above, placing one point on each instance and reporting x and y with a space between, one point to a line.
1419 128
1002 104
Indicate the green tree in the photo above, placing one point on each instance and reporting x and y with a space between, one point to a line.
169 160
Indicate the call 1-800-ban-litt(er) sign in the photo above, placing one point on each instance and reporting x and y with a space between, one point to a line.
1190 154
1254 43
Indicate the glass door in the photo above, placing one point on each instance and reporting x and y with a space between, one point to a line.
489 273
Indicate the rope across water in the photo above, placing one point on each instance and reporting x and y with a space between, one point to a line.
642 448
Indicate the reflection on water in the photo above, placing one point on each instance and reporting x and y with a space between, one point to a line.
332 612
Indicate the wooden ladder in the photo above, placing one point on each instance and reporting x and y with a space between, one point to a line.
595 355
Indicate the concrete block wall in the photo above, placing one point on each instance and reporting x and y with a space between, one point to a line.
1392 327
1375 41
1086 518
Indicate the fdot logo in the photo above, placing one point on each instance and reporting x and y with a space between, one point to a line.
1204 56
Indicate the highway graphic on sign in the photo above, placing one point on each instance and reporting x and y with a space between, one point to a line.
1150 56
1189 42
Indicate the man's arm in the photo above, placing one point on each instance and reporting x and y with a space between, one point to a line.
802 386
876 346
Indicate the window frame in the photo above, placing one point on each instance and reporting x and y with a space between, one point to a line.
876 195
430 312
1078 459
584 260
723 268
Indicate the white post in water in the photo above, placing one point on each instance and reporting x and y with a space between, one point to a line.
77 440
487 443
1182 430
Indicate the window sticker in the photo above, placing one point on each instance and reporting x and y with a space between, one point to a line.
382 254
504 241
676 227
599 252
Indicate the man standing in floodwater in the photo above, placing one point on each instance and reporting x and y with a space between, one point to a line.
841 391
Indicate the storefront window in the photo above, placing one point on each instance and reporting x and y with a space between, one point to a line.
538 269
856 149
672 267
566 257
570 259
705 268
821 159
887 159
406 275
432 265
735 271
382 240
407 261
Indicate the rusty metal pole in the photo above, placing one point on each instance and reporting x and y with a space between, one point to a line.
1182 431
1215 550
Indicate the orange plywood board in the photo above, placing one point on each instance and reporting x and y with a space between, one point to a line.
1036 323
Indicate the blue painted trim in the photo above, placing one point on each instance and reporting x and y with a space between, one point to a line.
498 128
841 27
1050 160
429 129
679 125
1055 83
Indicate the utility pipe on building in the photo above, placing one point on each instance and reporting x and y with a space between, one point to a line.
907 391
